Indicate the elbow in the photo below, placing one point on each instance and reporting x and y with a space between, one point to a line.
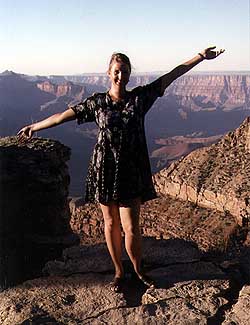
68 115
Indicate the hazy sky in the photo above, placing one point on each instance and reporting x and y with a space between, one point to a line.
74 36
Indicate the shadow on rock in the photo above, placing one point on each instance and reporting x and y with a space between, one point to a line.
168 262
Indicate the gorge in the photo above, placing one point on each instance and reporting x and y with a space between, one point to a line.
198 253
195 111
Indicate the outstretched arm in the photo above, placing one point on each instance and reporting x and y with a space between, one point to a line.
206 54
26 132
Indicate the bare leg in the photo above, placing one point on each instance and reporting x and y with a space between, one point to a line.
130 223
113 235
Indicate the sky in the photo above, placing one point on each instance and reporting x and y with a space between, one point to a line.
72 37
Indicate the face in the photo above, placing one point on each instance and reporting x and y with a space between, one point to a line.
119 74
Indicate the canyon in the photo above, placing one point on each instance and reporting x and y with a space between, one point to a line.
197 251
196 110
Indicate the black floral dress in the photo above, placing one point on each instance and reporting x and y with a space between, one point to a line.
119 169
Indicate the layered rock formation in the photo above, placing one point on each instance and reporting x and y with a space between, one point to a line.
34 206
65 94
216 177
212 91
64 89
193 91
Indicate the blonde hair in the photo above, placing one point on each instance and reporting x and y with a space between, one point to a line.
119 57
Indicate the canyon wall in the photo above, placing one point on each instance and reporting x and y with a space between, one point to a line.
226 91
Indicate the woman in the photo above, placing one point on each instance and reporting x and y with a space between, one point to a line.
119 176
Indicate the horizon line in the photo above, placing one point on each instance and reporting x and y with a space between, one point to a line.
132 74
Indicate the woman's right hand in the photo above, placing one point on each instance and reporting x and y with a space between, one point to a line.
25 133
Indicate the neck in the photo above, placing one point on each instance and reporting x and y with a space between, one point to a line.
117 93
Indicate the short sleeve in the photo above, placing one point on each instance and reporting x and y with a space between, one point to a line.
150 92
85 111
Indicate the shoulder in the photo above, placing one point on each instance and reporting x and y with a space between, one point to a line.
153 88
137 91
97 95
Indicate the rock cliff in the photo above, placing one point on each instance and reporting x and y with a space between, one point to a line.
34 206
64 89
215 177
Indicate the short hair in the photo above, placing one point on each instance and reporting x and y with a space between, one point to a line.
120 57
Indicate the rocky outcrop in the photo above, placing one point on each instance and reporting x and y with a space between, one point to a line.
86 221
34 206
216 177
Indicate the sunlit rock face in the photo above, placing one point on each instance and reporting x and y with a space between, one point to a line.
215 177
64 89
211 91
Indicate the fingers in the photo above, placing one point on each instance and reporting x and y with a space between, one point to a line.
25 134
22 137
210 54
211 48
20 131
220 52
23 140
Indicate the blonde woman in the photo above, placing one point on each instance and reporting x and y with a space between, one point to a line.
119 176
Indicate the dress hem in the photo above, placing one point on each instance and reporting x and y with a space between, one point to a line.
144 199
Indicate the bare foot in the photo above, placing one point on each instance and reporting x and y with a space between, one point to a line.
145 279
117 284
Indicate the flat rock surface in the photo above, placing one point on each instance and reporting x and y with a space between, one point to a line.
185 303
240 313
95 258
66 300
189 290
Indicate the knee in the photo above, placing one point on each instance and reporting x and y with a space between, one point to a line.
131 230
111 222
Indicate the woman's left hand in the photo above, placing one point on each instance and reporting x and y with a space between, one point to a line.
209 54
